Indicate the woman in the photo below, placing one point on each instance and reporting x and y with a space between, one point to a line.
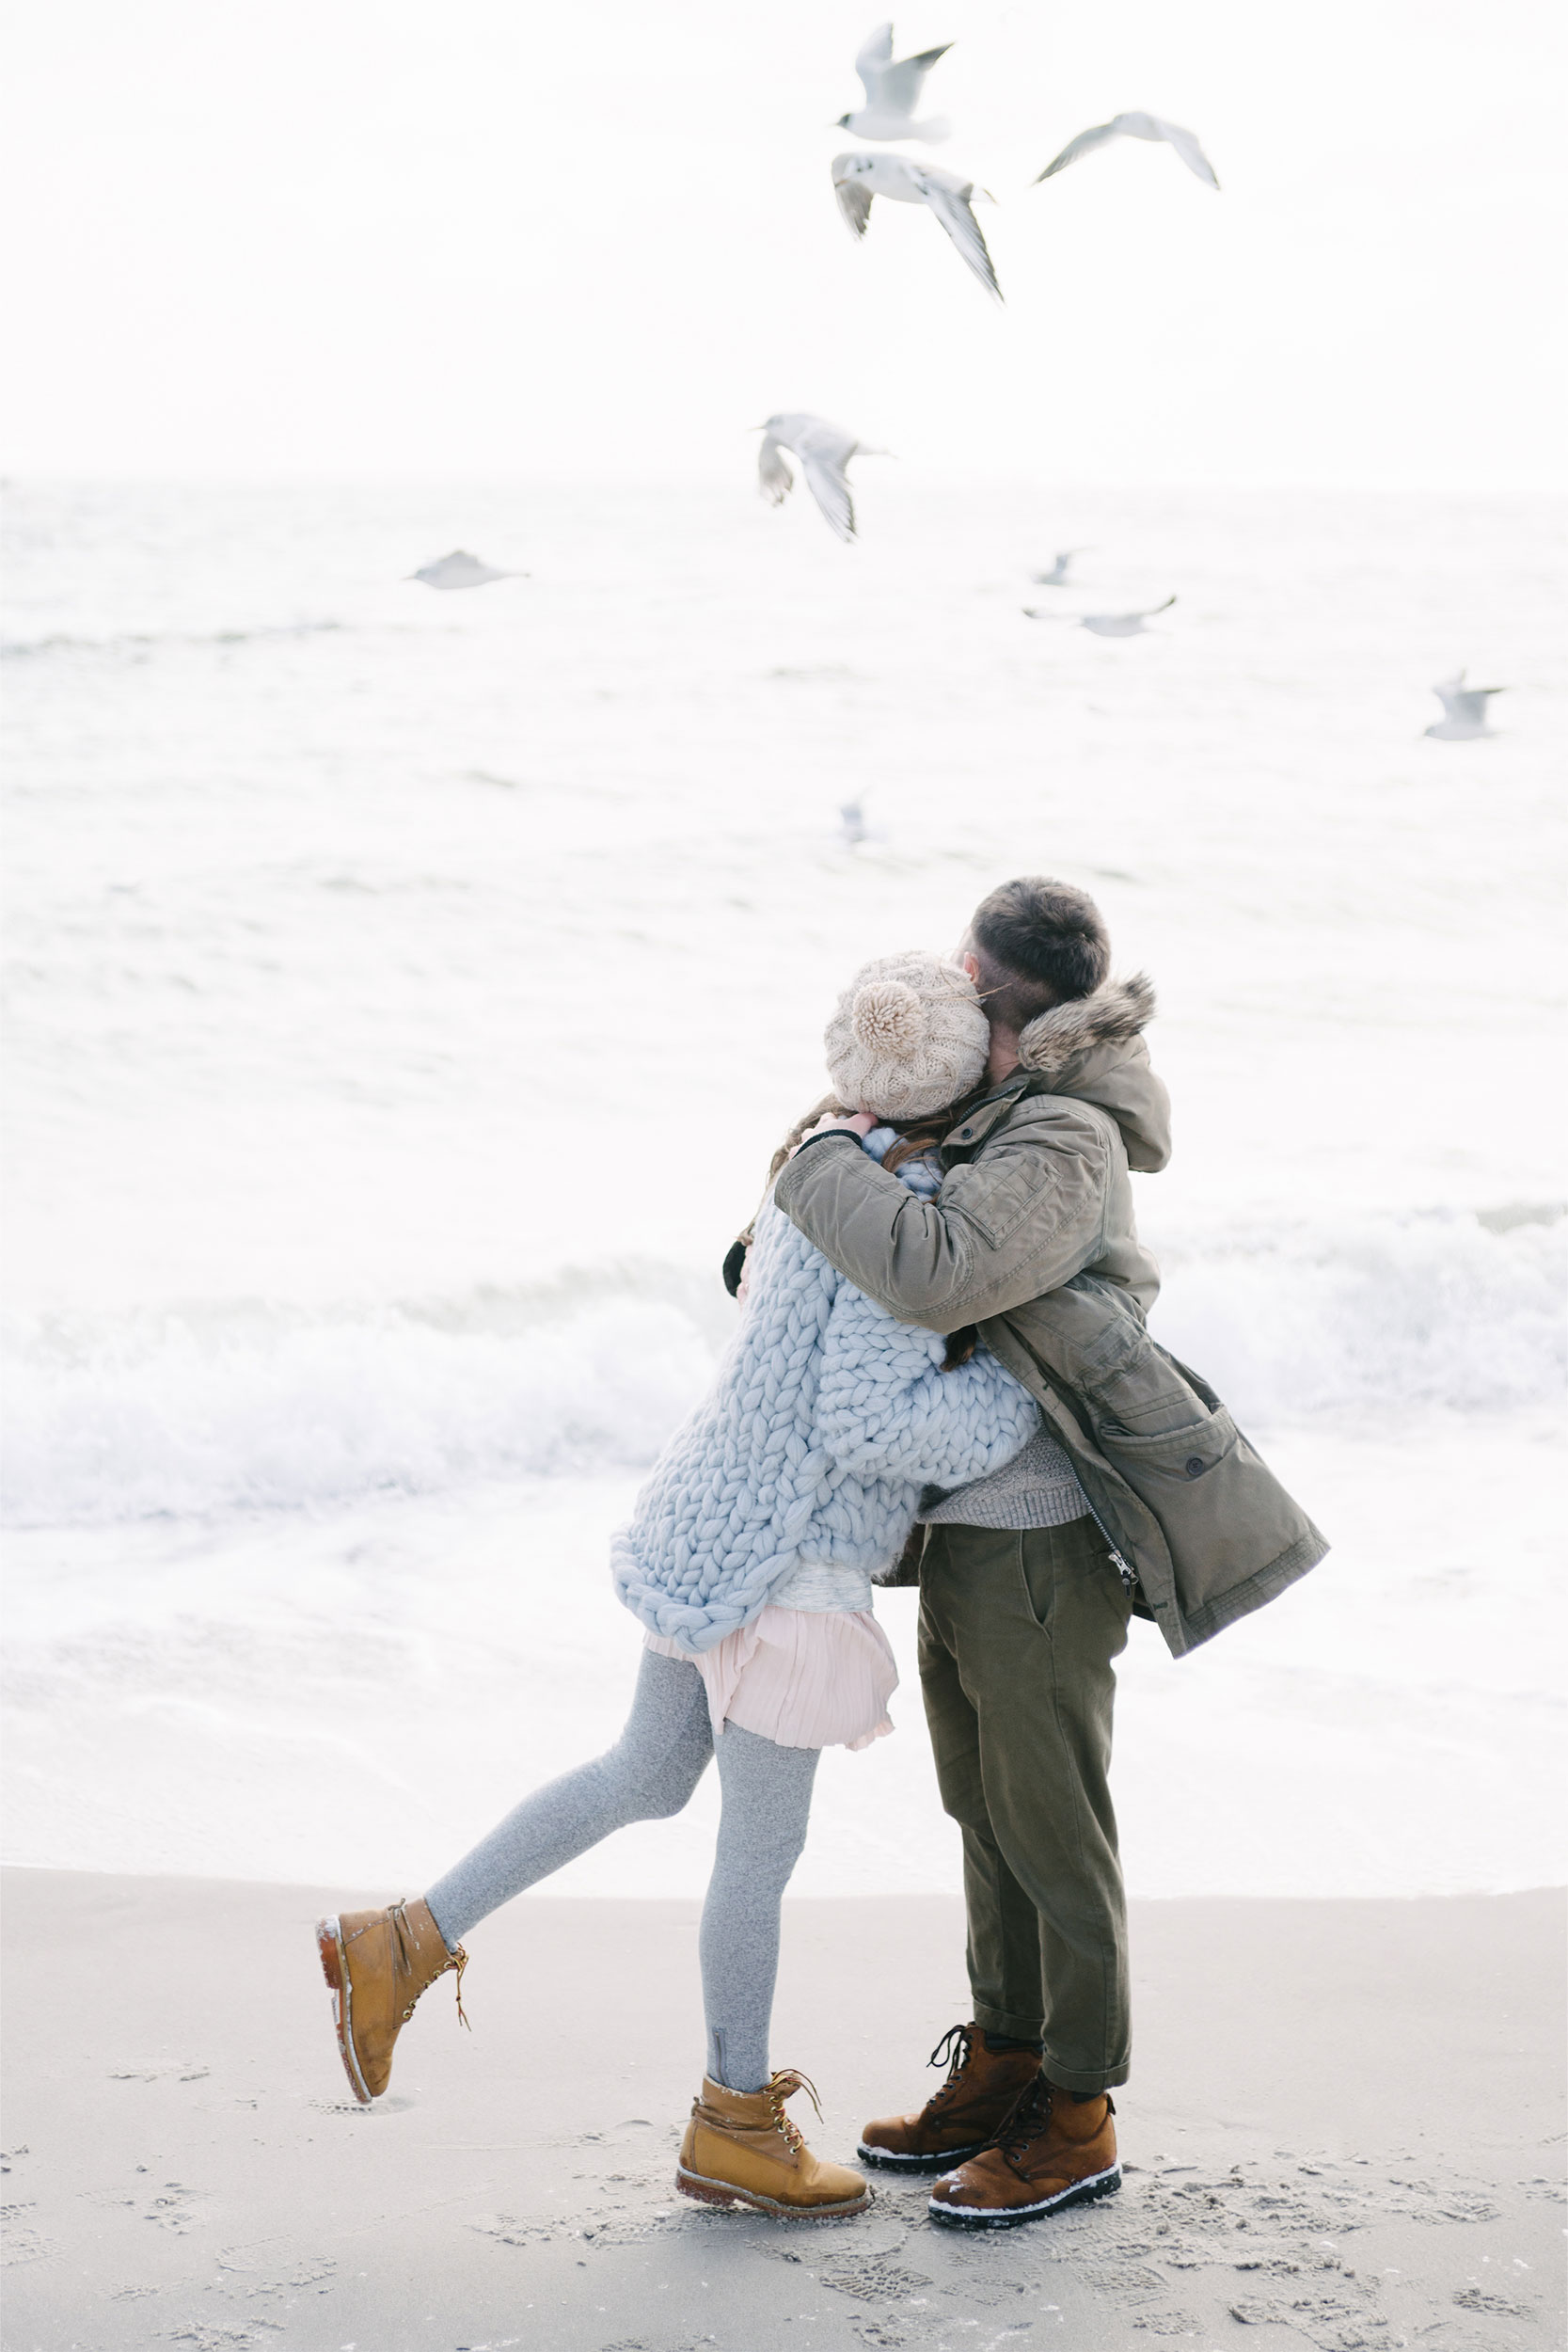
748 1562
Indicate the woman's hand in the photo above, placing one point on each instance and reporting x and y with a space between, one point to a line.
859 1124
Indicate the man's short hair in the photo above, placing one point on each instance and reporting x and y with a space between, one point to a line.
1039 943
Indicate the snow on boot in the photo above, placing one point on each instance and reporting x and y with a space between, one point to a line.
740 2147
1054 2150
377 1963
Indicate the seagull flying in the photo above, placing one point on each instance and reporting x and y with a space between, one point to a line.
1105 624
1464 711
893 91
1057 576
1137 126
823 451
461 571
858 177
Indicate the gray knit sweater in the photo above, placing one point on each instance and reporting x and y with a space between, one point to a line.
1037 1489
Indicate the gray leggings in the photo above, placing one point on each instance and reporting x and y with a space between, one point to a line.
646 1776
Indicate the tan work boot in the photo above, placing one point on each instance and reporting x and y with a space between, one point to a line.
377 1963
1055 2151
983 2087
741 2148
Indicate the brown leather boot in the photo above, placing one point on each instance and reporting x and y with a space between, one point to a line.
983 2087
741 2149
1055 2151
377 1963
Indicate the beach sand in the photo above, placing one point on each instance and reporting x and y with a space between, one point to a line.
1345 2128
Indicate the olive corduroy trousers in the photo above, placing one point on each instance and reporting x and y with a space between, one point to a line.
1017 1632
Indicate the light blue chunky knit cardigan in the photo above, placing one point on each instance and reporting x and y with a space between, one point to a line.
826 1421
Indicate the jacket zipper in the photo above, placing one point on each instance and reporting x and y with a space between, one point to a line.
1129 1575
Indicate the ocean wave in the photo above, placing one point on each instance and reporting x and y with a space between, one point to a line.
23 649
1444 1309
242 1409
188 1417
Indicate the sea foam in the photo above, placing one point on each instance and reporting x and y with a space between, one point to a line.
244 1409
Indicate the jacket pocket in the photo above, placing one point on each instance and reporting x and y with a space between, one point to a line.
1170 1461
996 1200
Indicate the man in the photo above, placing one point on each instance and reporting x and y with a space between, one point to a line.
1138 1494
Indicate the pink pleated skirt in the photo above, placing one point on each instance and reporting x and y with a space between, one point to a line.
802 1678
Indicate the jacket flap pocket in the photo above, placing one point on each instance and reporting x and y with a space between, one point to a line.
998 1194
1181 1454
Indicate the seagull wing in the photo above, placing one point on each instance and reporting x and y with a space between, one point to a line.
1460 701
1082 145
854 202
774 479
951 207
1188 149
902 83
1152 609
1469 702
874 62
824 465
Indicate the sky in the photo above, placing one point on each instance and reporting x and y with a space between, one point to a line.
367 237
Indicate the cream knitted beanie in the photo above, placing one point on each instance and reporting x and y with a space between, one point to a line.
909 1036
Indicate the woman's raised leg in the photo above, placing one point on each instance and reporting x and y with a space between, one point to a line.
646 1776
378 1962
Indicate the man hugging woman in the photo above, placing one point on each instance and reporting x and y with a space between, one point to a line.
750 1563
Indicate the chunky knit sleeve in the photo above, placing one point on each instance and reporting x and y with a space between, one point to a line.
884 1406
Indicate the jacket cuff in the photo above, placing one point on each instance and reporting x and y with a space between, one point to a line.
790 1177
826 1137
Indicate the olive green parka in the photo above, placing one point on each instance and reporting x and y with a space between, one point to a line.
1033 1237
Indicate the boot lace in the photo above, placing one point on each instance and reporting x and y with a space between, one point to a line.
783 2086
1029 2119
952 2051
403 1950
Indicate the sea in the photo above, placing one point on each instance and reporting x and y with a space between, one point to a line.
407 992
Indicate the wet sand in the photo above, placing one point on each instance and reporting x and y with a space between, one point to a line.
1345 2128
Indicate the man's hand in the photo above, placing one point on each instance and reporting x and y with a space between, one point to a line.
861 1124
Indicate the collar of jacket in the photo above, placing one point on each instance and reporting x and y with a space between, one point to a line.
981 1120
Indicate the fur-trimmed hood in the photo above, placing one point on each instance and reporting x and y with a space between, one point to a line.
1093 1048
1119 1010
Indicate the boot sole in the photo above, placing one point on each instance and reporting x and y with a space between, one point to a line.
1013 2217
887 2160
708 2192
334 1961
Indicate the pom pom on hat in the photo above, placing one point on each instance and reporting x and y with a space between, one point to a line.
908 1036
887 1018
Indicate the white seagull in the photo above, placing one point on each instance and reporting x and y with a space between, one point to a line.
893 91
460 570
1465 712
1138 126
1105 624
1057 576
858 177
823 451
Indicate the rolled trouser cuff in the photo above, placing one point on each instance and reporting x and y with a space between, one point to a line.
1010 2022
1104 2078
1018 2028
